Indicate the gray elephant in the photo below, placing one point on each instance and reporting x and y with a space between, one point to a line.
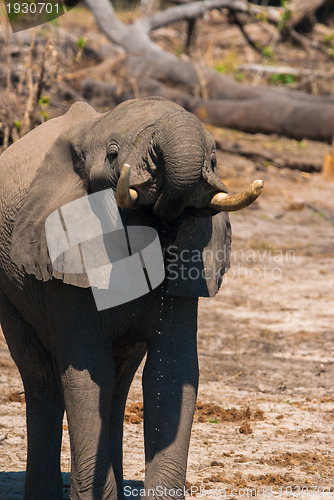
70 355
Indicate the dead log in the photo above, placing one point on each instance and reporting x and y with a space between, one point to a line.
282 160
215 98
243 114
303 12
285 70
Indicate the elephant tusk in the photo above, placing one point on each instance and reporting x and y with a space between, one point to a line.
232 202
125 196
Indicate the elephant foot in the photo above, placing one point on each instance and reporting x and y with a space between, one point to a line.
81 489
43 489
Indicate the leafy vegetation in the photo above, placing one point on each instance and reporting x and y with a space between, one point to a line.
282 78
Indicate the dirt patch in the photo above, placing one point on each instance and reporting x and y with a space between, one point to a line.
134 413
308 462
16 397
207 412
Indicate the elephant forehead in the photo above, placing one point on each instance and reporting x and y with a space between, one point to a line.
111 128
141 113
133 121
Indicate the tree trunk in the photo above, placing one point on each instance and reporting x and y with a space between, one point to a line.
213 97
304 11
149 7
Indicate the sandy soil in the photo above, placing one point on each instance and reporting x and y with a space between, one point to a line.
264 423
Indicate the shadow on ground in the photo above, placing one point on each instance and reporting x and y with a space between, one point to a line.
12 486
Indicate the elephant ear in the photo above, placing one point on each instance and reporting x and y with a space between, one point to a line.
200 256
56 183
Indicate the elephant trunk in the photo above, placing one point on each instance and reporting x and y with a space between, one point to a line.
178 141
179 149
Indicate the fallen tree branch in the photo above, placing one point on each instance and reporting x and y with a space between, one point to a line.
120 33
228 103
285 70
196 9
243 114
251 43
306 43
287 160
301 9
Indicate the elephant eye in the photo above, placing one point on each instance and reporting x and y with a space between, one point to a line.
213 161
112 152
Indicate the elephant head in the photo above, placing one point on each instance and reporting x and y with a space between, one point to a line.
161 164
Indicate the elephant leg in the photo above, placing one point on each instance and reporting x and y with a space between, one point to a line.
87 393
45 411
44 405
170 382
126 359
84 360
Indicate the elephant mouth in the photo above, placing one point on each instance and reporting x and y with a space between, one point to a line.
127 198
169 208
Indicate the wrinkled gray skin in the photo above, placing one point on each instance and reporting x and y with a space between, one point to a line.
73 357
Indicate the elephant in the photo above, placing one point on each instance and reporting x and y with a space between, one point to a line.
160 164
